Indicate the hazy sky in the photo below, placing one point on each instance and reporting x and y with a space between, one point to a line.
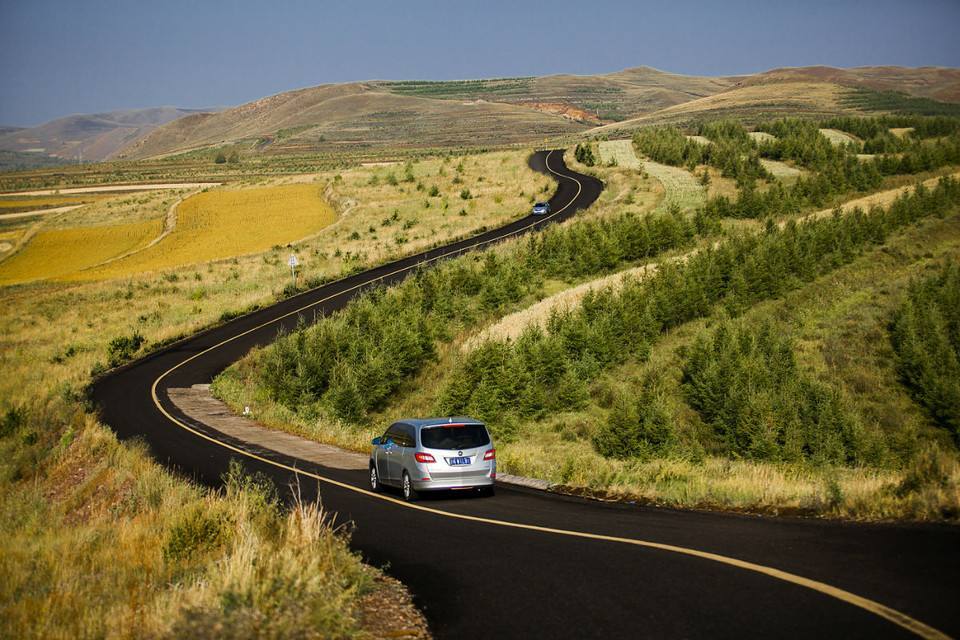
78 56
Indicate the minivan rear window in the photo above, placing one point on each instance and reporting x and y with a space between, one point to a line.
454 436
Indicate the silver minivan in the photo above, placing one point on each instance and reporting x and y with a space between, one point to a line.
430 454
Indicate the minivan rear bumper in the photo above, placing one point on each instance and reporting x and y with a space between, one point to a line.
461 479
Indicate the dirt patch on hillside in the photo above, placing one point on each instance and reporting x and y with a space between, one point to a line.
565 110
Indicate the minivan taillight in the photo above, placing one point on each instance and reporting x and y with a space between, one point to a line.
424 457
490 455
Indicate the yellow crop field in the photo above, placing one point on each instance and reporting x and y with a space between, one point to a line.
59 252
223 223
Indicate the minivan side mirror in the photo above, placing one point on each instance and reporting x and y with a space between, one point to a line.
375 441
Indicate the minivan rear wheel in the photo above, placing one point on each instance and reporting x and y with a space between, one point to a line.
409 493
374 478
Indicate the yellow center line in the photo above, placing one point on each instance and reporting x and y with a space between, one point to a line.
903 620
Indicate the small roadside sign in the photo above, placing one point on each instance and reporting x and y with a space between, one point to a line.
293 262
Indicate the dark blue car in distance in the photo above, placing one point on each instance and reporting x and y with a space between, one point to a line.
541 208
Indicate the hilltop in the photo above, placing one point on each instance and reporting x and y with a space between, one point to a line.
814 92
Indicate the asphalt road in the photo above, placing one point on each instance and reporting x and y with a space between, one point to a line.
531 564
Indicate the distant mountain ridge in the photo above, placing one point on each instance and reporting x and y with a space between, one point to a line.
92 137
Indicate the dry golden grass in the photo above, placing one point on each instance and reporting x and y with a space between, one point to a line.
762 136
114 209
837 137
719 185
102 542
681 188
15 204
511 326
879 199
381 221
619 153
780 170
900 132
700 140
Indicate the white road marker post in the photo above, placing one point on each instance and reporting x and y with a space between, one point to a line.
293 262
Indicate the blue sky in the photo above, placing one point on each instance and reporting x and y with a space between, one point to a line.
59 57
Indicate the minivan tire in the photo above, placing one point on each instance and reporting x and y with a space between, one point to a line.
409 493
375 479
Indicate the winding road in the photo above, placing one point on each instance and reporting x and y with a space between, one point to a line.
533 564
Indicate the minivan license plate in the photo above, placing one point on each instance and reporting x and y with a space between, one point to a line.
457 461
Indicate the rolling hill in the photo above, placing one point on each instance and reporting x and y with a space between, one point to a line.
936 83
421 113
814 92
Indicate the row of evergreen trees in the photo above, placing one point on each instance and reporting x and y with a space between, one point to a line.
879 127
925 333
350 363
548 371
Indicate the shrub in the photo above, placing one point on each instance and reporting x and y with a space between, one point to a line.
636 426
584 154
196 531
123 348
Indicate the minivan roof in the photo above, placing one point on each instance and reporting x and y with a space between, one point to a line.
432 422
